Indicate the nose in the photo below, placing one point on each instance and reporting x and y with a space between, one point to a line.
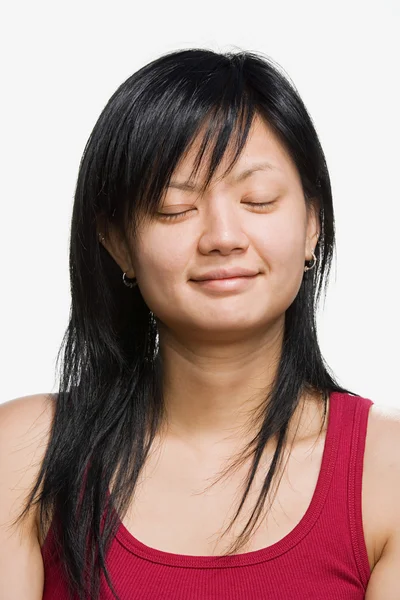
222 230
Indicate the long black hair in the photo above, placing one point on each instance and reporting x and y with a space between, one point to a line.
109 405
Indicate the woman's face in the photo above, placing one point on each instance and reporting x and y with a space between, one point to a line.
229 227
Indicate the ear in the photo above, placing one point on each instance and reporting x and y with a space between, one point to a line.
110 236
313 227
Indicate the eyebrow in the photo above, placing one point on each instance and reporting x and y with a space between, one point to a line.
262 166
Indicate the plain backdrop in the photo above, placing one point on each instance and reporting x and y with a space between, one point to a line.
60 64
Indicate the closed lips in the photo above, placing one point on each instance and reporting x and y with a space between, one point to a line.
226 274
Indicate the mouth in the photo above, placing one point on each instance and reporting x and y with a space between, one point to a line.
226 284
226 273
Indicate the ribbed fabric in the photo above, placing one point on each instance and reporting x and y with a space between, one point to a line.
323 557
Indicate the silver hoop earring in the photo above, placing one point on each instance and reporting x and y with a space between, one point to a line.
129 282
313 265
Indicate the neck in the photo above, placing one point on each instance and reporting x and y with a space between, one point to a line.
212 390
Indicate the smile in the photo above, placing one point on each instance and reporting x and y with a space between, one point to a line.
228 284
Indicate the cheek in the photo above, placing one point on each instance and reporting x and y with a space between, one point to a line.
282 249
161 260
282 244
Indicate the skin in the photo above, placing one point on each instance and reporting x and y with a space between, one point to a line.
222 349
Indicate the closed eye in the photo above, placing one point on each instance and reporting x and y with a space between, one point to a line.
169 216
173 215
260 204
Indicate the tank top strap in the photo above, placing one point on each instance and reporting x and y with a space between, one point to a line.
343 508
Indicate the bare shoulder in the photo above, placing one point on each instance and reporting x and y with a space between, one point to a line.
381 499
383 441
25 424
381 477
19 412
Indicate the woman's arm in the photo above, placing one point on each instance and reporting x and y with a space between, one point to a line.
24 428
384 583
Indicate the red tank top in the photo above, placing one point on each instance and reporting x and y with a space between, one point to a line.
324 556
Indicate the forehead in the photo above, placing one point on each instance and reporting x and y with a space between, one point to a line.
262 146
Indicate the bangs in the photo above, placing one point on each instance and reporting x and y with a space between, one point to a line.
161 113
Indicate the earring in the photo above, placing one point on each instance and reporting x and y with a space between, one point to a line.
313 265
129 282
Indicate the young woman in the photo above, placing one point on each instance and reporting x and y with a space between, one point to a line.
198 446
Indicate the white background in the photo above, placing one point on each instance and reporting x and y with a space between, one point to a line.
60 65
